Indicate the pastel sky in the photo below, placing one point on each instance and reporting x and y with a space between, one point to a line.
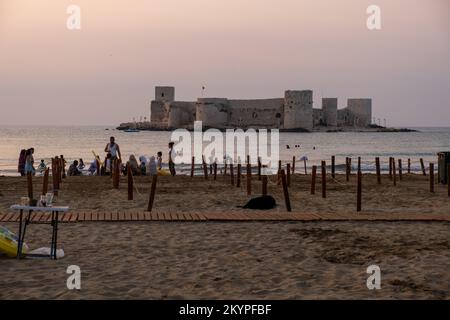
105 73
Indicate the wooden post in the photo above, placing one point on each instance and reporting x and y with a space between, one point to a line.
232 174
423 167
378 168
359 163
205 168
432 177
248 159
394 172
215 170
116 179
349 166
264 185
114 172
30 185
55 176
57 172
390 168
359 192
293 165
347 169
304 164
288 174
285 191
409 165
130 183
313 179
259 168
400 170
151 199
249 179
279 173
239 169
63 167
99 170
324 180
45 184
448 180
333 167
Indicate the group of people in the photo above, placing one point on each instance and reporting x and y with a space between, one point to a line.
145 166
26 162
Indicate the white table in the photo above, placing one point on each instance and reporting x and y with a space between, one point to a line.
55 211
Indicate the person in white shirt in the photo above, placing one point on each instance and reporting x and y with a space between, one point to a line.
113 148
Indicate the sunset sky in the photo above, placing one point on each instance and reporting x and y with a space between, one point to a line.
105 73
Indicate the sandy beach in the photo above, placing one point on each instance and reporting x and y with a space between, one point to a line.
237 260
182 193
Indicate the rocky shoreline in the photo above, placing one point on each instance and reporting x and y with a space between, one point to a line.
147 126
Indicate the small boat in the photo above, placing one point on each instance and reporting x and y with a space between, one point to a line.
131 130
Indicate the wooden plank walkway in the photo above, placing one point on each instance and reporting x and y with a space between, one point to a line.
91 216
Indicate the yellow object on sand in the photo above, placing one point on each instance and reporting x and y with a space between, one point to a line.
8 243
97 157
163 172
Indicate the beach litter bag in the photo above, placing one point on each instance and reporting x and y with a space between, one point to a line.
9 242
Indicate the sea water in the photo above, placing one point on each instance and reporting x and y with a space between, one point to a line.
80 142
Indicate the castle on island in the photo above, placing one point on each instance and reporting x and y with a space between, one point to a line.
294 112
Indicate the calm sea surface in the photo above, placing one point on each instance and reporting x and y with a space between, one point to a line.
79 142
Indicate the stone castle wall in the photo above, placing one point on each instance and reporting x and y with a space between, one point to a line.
294 111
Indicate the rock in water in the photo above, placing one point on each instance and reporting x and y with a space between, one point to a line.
261 203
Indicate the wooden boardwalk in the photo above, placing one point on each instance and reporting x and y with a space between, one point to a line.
123 216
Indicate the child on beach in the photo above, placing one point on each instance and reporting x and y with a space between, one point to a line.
143 168
42 166
159 160
73 169
107 164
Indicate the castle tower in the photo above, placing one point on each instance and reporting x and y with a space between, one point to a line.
298 110
329 109
361 110
164 93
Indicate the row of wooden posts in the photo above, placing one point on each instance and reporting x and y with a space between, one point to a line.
284 176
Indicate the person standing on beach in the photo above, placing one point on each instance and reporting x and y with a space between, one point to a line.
113 149
171 159
22 159
29 162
